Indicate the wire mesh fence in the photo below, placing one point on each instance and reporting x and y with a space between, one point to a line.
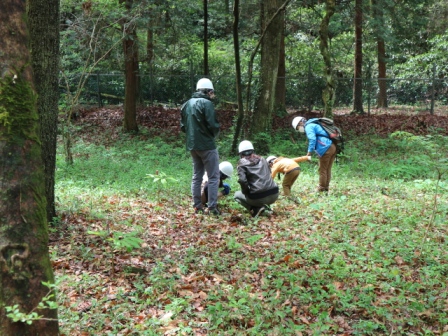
301 92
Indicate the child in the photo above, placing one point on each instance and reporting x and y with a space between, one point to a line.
289 167
225 171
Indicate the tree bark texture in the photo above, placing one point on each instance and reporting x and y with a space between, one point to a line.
357 77
328 93
270 52
24 257
43 18
206 70
236 48
130 50
280 91
381 53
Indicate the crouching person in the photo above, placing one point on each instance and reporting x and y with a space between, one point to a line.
286 166
225 172
258 189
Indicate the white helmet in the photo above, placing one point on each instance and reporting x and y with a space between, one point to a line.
204 83
226 168
296 121
245 145
271 158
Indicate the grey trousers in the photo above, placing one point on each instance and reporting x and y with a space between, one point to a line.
257 203
205 161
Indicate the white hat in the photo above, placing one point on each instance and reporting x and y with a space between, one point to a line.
226 168
296 121
245 145
271 158
204 83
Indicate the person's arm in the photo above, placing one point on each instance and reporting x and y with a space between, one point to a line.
275 169
302 158
242 180
311 135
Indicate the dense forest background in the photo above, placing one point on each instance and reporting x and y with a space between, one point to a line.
174 44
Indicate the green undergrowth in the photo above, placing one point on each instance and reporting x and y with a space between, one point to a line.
369 258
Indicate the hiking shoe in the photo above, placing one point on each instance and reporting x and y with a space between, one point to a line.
213 211
257 211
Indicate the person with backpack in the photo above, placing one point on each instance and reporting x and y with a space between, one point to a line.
288 167
258 189
319 142
225 172
199 123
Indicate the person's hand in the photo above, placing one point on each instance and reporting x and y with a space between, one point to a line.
226 189
308 154
309 157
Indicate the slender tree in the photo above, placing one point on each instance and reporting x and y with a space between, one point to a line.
357 76
24 256
206 70
328 93
378 27
44 45
280 90
130 50
236 48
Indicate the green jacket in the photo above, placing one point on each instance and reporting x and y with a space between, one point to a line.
199 123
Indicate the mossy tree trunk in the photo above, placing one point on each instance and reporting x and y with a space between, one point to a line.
270 53
44 46
24 257
328 93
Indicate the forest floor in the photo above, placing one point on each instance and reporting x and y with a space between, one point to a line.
131 258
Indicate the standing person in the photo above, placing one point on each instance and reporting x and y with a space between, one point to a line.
199 122
287 166
258 189
319 142
225 172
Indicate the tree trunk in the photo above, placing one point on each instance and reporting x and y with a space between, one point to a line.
24 257
236 48
270 52
130 49
44 44
280 92
206 70
328 93
381 53
357 78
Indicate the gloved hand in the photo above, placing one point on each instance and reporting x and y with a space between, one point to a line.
309 158
226 189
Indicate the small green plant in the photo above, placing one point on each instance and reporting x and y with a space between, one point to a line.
160 179
14 313
120 240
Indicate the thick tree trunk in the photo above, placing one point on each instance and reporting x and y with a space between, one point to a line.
328 93
130 48
270 52
44 45
24 257
357 77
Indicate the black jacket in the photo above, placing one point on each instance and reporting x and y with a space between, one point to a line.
254 177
